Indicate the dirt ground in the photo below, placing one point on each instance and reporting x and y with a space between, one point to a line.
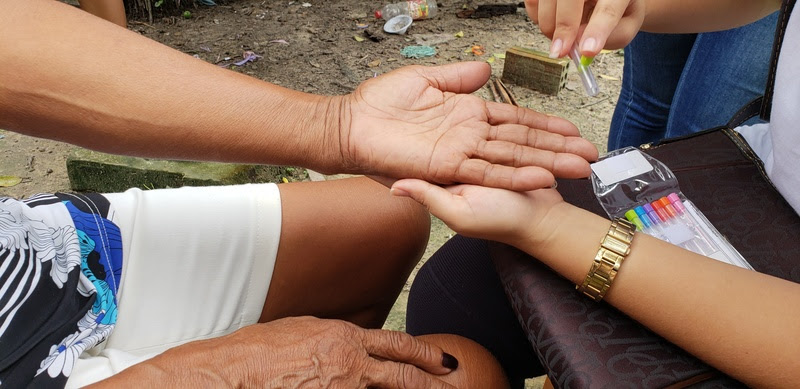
318 47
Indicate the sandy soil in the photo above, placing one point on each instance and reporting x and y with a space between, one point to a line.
313 47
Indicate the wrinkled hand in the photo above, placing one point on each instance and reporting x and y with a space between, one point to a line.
303 352
595 24
419 122
488 213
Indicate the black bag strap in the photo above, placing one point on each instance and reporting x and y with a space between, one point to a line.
780 31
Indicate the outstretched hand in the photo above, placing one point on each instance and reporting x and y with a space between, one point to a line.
420 122
488 213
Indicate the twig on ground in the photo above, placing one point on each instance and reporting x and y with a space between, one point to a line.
592 103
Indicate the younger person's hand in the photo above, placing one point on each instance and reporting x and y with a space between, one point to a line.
488 213
594 24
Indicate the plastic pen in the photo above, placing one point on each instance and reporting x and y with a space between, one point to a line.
586 75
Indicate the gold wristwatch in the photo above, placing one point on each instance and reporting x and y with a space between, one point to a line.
613 249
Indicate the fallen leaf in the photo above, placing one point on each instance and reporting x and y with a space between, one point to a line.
358 38
285 180
490 60
605 77
374 63
459 34
477 50
7 181
499 55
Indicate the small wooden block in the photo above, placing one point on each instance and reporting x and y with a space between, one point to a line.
535 69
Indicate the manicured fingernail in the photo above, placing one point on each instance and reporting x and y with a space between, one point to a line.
398 192
449 361
589 44
555 48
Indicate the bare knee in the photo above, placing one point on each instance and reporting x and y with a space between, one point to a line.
477 367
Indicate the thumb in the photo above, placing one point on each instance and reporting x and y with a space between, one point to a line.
438 200
461 77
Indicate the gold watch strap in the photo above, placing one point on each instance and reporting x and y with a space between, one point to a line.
613 249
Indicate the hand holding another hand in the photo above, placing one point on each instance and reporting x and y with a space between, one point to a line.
488 213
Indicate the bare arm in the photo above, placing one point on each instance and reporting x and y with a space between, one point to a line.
686 16
109 89
742 322
112 90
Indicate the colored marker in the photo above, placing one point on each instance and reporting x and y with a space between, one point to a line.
633 218
586 75
643 216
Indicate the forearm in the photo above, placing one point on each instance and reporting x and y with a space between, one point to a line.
71 77
687 16
739 321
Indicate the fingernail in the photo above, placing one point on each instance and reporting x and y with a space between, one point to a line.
589 44
555 185
449 361
398 192
555 48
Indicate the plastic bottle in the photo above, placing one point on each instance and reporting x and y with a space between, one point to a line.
417 9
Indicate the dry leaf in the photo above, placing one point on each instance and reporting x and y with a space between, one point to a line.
605 77
358 38
7 181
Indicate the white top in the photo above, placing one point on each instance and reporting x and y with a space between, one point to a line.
777 143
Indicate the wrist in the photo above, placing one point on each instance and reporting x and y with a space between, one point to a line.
567 240
334 148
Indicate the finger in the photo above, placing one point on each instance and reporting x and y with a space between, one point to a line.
461 77
547 18
532 8
627 29
439 201
402 347
481 172
568 20
391 375
500 113
543 140
606 16
564 165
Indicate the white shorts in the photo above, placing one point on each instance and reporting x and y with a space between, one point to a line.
197 264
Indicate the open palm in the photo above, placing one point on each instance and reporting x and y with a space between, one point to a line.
419 122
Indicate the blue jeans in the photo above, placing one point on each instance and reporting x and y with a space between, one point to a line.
677 84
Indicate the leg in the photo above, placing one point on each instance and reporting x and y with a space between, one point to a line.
725 71
458 292
111 10
477 368
652 69
346 249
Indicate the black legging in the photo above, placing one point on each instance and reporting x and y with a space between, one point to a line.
458 292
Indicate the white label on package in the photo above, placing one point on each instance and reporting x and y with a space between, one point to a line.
621 167
677 234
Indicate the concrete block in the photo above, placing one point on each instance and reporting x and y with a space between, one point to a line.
535 70
91 171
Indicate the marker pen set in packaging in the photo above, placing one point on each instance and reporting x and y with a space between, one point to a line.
635 186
